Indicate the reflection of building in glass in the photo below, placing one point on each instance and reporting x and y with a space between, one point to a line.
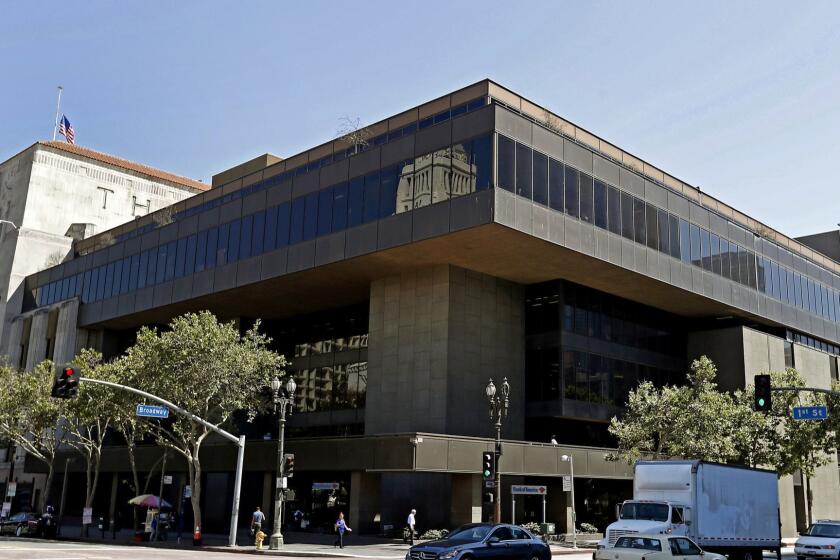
434 177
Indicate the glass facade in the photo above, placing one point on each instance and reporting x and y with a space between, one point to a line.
587 346
457 170
590 200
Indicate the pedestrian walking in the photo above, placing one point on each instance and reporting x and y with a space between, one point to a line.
410 522
257 519
341 527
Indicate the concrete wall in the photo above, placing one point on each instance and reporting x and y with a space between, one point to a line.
436 336
44 191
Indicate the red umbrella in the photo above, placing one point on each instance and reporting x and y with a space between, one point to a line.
149 501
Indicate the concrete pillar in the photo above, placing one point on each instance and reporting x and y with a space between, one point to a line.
466 499
37 339
787 506
14 337
364 500
65 332
436 335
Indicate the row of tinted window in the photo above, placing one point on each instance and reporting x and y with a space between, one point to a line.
444 174
288 176
549 182
553 373
794 336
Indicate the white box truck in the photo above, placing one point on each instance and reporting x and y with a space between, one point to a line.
728 509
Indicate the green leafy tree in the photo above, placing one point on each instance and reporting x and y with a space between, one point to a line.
31 418
206 368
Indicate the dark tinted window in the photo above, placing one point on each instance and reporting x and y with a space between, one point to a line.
160 271
212 247
541 178
245 237
627 216
600 205
587 209
695 244
134 274
685 241
572 202
507 163
555 185
270 236
371 211
201 251
674 240
296 228
664 229
639 220
310 216
652 221
258 234
233 241
222 245
706 249
388 191
481 160
325 198
181 258
339 207
523 171
614 210
725 270
356 197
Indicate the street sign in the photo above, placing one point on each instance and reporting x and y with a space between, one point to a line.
567 483
525 489
11 489
325 485
87 516
810 413
167 479
152 411
489 483
7 507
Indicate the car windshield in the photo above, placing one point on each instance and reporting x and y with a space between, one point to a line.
471 533
639 543
649 512
824 530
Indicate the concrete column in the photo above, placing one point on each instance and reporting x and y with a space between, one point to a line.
37 339
65 333
466 499
14 335
364 500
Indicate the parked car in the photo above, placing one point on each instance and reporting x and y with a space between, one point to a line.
655 547
821 540
22 523
483 541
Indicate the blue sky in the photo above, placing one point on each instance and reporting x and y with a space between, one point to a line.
740 98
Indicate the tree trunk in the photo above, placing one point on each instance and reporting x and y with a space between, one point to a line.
136 477
195 484
45 497
809 497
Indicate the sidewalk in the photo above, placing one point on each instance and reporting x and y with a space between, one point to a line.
298 544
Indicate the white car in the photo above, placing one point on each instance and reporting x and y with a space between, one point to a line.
655 547
821 540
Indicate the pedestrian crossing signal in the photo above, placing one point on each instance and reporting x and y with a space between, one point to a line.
763 393
66 384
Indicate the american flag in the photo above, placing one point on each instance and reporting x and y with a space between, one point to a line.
66 129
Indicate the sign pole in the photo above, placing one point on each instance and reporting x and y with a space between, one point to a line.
513 509
237 486
543 508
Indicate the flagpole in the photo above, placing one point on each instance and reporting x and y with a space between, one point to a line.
57 111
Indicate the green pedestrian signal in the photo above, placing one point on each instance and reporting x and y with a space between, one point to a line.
488 465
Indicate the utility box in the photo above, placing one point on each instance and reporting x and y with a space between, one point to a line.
547 528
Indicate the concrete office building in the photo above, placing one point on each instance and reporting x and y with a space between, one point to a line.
475 236
51 195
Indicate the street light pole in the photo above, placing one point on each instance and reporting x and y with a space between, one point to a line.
571 461
283 403
498 409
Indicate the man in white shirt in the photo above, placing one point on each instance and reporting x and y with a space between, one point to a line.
410 523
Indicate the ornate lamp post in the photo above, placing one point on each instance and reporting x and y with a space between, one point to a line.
571 461
498 409
283 403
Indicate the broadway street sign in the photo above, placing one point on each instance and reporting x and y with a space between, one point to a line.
152 411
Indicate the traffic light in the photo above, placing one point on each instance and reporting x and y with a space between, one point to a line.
66 383
488 465
289 466
763 394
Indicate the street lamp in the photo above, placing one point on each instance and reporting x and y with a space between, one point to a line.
283 402
571 462
498 409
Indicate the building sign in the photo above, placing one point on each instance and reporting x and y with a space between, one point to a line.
87 516
11 489
567 483
167 479
533 490
325 485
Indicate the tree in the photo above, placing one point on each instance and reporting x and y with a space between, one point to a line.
206 368
90 415
697 421
31 418
354 134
